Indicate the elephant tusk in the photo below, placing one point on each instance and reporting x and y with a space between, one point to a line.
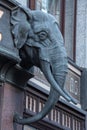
52 100
54 95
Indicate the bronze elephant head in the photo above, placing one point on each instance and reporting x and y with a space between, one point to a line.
41 44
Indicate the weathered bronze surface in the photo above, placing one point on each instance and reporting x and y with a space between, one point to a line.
37 37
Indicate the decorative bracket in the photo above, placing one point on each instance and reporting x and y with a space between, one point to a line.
14 74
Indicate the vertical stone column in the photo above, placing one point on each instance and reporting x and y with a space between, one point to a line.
81 33
11 101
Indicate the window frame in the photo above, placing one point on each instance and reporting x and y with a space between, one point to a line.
31 4
63 2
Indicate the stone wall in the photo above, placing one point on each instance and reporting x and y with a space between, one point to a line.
81 33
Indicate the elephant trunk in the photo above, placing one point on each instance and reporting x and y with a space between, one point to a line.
55 92
56 75
52 100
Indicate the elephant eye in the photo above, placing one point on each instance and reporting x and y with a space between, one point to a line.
42 35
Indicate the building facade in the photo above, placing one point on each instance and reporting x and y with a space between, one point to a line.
71 16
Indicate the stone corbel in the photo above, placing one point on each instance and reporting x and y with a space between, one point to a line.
14 75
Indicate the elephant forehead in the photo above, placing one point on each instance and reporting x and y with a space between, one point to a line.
45 22
41 16
38 27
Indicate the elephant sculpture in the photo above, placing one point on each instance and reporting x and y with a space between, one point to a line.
41 44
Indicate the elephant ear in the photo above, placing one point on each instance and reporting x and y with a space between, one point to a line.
19 27
23 31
